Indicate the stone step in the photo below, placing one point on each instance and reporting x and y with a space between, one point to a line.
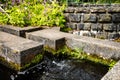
56 39
18 30
18 51
50 37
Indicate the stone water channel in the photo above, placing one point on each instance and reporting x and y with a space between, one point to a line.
52 67
57 68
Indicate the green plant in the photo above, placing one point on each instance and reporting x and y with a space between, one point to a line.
80 54
34 13
3 18
34 61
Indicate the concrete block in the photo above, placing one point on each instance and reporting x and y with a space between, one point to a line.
18 50
51 38
104 48
114 73
17 30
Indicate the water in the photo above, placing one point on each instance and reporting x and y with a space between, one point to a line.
52 68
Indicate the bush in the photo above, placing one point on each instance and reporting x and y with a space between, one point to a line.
35 14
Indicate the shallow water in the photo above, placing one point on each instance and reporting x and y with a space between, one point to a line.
52 68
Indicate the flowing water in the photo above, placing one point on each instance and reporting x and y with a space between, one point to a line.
52 68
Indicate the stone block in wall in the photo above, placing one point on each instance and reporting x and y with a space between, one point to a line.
69 10
98 10
100 27
90 18
118 27
73 26
80 26
73 17
108 27
66 15
82 10
94 27
17 50
102 35
87 26
116 17
113 35
104 18
114 10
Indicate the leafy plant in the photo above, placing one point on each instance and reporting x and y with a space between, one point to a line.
3 18
35 13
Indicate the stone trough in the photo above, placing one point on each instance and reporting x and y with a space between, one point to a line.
21 51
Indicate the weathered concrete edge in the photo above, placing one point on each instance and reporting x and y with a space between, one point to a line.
105 51
114 73
16 57
17 30
20 58
103 48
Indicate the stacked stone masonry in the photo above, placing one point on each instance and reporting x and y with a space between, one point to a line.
101 21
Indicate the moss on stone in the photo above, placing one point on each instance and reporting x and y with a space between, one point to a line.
34 61
81 55
18 67
10 64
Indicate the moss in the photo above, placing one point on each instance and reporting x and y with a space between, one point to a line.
117 40
10 64
17 67
63 50
34 61
81 55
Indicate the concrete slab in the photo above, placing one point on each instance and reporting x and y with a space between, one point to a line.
56 39
17 30
103 48
18 50
50 37
114 73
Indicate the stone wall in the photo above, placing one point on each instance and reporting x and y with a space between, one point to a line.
101 21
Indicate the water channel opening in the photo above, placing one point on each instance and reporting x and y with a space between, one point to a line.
57 68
